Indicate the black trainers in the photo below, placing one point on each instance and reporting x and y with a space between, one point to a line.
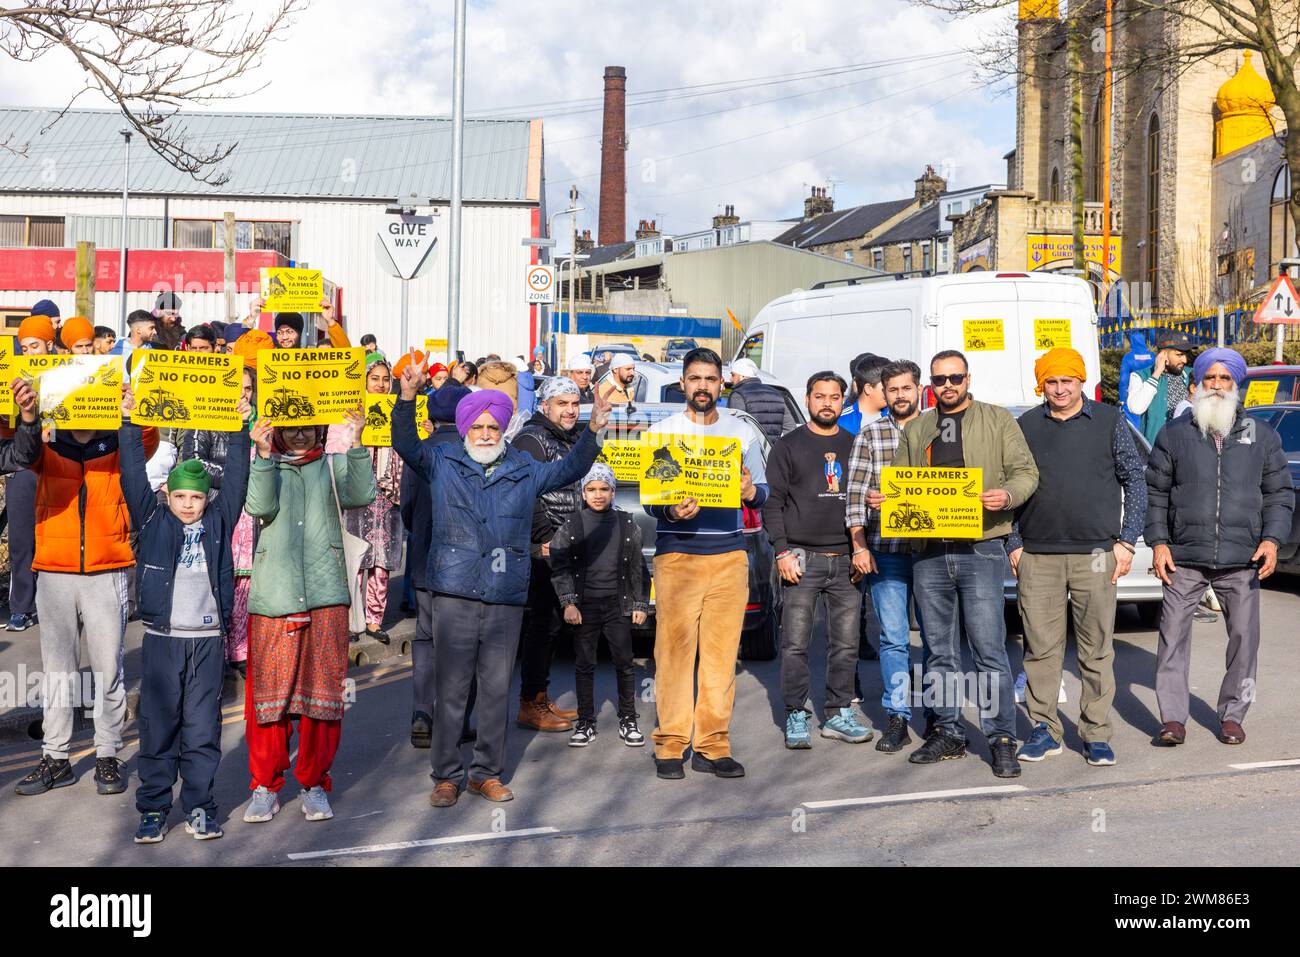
940 746
895 735
670 769
421 730
108 776
1005 762
48 774
722 767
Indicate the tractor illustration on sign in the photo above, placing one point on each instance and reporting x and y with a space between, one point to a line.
59 413
375 417
663 467
975 342
277 286
1045 342
908 516
163 405
284 403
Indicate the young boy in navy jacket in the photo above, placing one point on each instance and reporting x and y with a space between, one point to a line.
186 587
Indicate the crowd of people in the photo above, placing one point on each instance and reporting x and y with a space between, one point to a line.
268 550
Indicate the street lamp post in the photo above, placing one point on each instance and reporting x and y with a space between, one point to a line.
121 267
457 171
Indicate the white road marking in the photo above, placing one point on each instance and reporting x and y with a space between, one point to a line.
1289 762
432 842
915 796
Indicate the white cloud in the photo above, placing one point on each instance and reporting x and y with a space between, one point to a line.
394 57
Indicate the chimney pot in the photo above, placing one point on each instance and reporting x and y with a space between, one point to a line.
613 143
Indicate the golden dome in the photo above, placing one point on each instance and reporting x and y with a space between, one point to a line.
1245 105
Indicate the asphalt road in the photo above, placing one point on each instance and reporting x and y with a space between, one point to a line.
1203 803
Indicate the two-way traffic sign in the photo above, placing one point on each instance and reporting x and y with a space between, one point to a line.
1282 304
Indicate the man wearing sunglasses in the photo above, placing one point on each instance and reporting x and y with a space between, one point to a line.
960 582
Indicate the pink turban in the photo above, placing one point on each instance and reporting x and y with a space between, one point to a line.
497 404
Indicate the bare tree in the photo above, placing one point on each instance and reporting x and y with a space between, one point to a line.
150 58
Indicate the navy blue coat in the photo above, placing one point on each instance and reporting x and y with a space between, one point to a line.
480 526
417 511
161 533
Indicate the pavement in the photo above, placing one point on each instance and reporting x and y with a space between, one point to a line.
1203 803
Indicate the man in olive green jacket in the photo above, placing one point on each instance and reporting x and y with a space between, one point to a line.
961 432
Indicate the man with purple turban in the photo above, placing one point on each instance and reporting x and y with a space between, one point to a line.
482 493
1219 503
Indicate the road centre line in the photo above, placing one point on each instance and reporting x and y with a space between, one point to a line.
1288 763
914 796
431 842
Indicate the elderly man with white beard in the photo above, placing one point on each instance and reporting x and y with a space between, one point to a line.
1219 503
482 493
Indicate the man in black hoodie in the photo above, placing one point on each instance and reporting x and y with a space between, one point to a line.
548 437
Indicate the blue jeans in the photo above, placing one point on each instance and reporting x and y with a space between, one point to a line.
974 573
891 588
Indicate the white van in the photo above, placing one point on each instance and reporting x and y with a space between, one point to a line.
1002 321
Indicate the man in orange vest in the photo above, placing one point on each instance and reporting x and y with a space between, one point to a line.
83 554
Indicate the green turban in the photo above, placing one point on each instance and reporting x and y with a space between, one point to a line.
189 476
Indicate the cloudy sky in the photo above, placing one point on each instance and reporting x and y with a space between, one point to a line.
760 101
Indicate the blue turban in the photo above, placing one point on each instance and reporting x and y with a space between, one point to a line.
1230 360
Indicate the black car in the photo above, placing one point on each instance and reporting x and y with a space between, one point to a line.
1285 419
760 635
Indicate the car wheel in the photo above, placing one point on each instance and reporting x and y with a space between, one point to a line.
760 643
1149 613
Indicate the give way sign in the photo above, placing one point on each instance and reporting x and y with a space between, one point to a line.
404 245
1281 304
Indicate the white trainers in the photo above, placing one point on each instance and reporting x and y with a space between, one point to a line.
630 733
584 732
315 805
264 806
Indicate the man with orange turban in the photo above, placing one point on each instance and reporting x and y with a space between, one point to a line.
36 336
78 336
1070 545
249 344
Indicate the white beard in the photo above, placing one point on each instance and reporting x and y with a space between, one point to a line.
1215 411
483 454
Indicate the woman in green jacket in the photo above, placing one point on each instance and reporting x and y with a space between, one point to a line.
298 610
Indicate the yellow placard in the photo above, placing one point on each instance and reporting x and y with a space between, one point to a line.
1046 250
310 386
8 370
982 335
193 390
378 430
292 290
1261 392
435 345
931 503
703 467
76 392
624 457
1052 334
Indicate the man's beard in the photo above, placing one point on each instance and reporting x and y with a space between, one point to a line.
902 410
703 397
1215 411
826 417
483 454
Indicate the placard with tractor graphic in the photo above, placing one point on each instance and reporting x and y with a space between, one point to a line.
378 428
194 389
931 503
703 467
76 392
311 386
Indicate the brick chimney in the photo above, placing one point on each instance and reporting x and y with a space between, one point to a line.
584 241
818 202
647 229
929 186
727 218
613 143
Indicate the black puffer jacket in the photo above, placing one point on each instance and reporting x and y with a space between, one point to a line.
1213 509
547 442
765 404
210 448
569 564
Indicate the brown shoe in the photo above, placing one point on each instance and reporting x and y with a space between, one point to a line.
1230 732
559 712
492 789
444 794
535 715
1172 733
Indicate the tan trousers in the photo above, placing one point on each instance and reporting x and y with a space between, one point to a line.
1044 583
699 609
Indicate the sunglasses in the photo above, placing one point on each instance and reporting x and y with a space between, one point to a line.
941 380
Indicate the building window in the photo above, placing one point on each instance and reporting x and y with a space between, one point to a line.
878 259
925 256
1153 206
1092 190
907 259
211 233
1281 233
1054 190
31 231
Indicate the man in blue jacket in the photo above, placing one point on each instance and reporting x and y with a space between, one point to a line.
186 592
481 495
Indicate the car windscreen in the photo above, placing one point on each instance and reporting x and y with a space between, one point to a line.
1284 387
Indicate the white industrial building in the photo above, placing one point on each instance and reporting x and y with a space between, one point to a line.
312 188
